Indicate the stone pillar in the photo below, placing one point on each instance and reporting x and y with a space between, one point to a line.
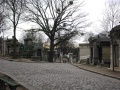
95 55
78 55
90 59
111 56
119 55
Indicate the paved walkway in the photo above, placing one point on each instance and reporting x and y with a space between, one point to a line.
36 75
96 69
56 76
100 70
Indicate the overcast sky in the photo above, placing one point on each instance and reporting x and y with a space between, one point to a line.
95 9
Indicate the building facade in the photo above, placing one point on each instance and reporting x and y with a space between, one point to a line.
84 51
99 50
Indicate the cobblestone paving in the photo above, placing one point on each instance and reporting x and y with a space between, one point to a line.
57 76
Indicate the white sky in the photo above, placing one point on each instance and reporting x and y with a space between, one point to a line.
94 8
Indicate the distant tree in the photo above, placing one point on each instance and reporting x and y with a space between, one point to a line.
36 36
87 35
40 39
10 44
14 10
55 18
66 47
2 21
111 16
31 33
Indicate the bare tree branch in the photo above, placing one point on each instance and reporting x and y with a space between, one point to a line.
14 10
58 19
110 16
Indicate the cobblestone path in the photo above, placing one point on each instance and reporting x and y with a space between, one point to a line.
56 76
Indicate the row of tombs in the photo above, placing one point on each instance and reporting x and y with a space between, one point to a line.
102 50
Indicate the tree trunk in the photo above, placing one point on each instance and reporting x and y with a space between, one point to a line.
14 44
14 35
51 53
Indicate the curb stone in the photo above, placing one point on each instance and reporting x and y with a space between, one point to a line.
118 78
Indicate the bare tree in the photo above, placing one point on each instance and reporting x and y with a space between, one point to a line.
2 16
111 18
88 35
40 38
110 15
67 47
33 34
14 10
2 20
58 19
